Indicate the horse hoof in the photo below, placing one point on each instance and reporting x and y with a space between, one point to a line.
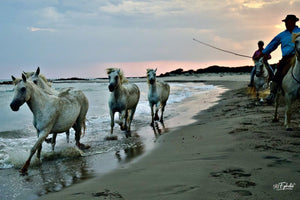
23 172
48 140
83 147
156 118
123 128
128 134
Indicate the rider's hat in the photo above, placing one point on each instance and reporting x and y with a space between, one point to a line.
290 17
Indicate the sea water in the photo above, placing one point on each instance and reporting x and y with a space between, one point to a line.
67 165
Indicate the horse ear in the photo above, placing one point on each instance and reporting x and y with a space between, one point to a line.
37 71
24 77
155 69
118 70
13 78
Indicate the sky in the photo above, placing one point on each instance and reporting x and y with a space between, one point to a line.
68 38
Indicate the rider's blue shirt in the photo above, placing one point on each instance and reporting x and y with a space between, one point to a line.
285 39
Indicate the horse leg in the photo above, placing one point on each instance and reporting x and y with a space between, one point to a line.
38 155
152 114
68 136
131 118
156 111
77 127
162 113
53 140
112 122
123 120
37 145
288 115
126 120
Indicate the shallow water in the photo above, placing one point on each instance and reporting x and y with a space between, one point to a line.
67 165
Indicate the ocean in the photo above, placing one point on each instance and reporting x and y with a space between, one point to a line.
67 165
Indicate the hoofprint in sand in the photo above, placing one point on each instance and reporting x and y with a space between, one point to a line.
233 151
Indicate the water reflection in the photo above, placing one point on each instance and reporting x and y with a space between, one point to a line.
54 176
127 154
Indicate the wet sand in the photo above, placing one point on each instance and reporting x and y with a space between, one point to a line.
232 151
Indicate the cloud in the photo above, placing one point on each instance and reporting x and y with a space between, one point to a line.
34 29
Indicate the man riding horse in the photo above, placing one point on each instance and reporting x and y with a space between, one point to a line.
288 51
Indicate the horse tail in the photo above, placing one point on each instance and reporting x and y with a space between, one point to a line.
252 91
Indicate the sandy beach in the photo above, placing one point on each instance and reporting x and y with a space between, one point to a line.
232 151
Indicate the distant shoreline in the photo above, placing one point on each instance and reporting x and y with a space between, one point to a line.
178 72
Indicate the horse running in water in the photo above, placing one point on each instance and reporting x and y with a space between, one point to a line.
51 113
41 81
290 85
124 98
158 95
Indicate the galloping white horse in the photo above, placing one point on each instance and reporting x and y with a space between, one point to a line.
261 78
124 98
158 95
51 113
290 85
41 81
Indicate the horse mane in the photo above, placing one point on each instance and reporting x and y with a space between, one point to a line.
121 73
293 61
294 36
45 79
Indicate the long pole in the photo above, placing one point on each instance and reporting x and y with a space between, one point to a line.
237 54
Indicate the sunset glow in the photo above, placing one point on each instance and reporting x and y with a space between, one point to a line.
82 38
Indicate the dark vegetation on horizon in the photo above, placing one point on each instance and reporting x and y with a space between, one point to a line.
180 71
211 69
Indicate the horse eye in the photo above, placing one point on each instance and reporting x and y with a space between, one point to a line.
23 89
116 78
35 82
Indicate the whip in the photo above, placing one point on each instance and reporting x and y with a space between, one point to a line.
237 54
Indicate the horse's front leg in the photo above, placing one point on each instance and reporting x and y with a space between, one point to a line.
38 145
112 122
152 114
53 140
39 152
156 117
68 136
123 120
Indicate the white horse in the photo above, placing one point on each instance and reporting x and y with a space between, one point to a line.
41 81
158 95
261 78
51 113
124 98
290 85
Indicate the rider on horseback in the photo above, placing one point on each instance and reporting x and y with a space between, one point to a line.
288 51
256 57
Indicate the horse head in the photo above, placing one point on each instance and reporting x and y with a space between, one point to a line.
114 76
39 79
259 67
151 76
21 93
